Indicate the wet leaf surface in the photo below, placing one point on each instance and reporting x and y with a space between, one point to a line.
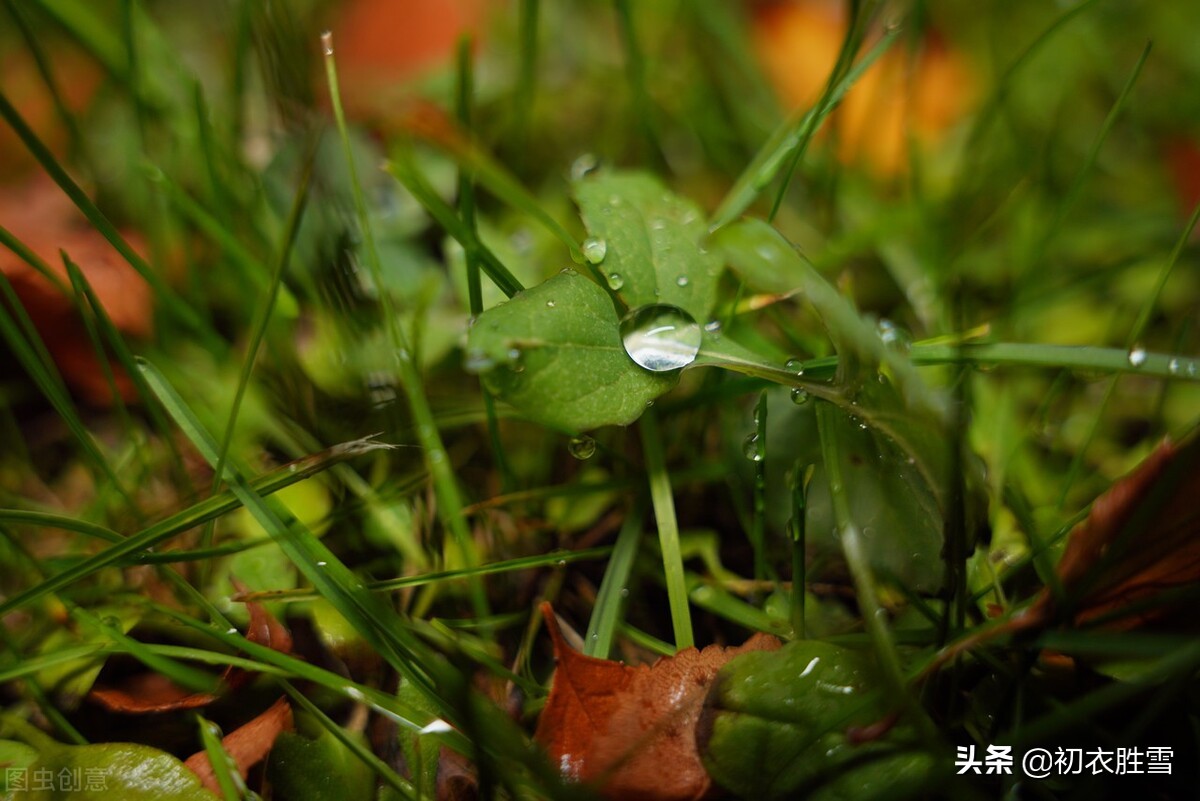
632 730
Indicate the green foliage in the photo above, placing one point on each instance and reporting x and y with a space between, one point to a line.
776 726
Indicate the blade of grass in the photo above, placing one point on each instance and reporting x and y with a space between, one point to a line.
523 96
466 211
873 613
787 141
668 530
1135 334
125 358
259 327
186 519
32 354
801 474
223 767
440 467
553 558
635 73
377 623
353 745
609 609
758 518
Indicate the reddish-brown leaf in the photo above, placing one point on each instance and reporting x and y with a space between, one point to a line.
247 745
46 221
144 693
632 730
1141 537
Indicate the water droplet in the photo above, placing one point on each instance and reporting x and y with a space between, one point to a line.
515 362
582 446
713 327
1173 366
583 165
231 630
750 448
624 592
550 304
1137 356
615 281
327 42
562 563
799 396
681 280
660 337
594 250
1191 369
893 336
568 271
658 224
794 366
477 361
322 564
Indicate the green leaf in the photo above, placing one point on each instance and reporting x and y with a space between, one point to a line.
99 772
320 769
874 382
651 240
555 353
775 727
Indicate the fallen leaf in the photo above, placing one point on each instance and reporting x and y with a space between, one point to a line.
901 96
44 220
247 745
1141 537
632 730
145 693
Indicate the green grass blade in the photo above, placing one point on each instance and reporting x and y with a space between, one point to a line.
354 746
609 610
668 530
32 354
179 308
445 482
187 519
223 767
788 141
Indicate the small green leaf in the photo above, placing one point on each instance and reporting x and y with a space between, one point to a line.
555 353
321 769
651 241
775 727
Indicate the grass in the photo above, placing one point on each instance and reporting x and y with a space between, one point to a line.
912 383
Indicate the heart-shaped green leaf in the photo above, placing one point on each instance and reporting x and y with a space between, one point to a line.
555 353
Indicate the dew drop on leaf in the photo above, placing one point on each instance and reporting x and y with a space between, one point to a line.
799 396
1137 356
660 337
615 281
681 280
794 366
751 450
582 446
594 249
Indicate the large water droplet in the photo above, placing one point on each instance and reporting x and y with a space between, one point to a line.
1137 356
660 337
894 336
582 447
794 366
594 250
615 281
750 448
799 396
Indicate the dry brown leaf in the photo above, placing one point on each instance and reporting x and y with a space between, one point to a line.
632 730
45 220
1141 537
145 693
247 745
